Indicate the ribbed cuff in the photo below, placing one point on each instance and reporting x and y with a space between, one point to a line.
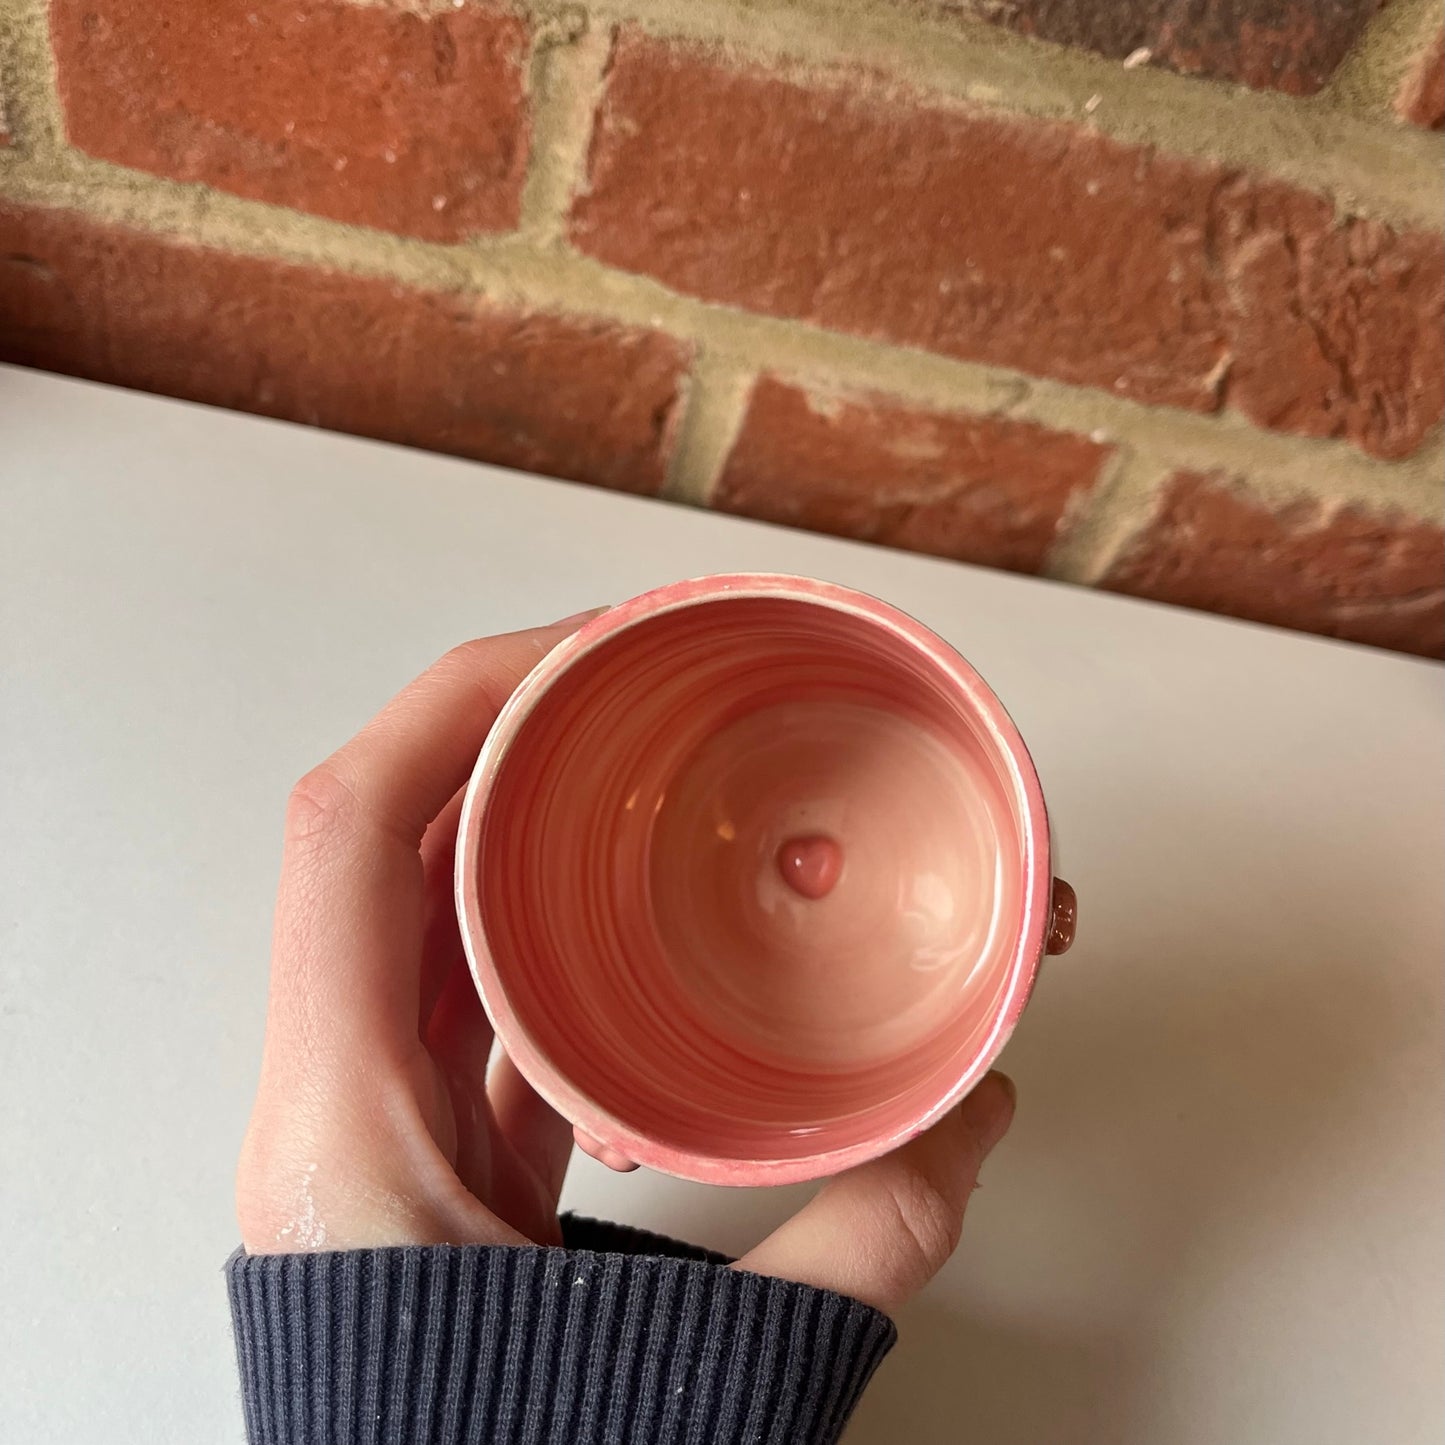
621 1336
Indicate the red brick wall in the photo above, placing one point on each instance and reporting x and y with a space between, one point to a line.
1141 294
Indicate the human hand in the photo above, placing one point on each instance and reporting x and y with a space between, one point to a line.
376 1121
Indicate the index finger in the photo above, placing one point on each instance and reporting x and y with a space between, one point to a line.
347 947
402 768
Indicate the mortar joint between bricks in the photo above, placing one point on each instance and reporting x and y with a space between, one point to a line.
554 25
566 81
1118 510
714 406
27 84
1367 81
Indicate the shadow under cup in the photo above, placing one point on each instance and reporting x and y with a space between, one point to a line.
630 897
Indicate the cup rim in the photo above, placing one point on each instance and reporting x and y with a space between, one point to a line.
572 1103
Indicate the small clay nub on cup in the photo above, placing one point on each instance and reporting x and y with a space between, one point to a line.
1065 918
810 866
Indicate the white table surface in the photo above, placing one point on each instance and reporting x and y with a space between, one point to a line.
1218 1218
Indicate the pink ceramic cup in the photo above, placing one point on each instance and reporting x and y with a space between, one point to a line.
753 875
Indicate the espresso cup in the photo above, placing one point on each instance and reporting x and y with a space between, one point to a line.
754 878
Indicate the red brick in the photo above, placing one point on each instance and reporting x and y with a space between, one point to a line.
572 397
1335 330
373 114
954 230
979 488
1289 45
1345 572
1038 246
1421 100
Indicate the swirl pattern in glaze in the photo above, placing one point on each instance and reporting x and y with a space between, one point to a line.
645 938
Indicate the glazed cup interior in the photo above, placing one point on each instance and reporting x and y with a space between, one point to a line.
624 880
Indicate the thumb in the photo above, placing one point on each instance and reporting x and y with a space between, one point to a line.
880 1232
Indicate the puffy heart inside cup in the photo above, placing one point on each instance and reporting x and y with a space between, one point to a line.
751 879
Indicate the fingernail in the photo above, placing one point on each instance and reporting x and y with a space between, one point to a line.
578 618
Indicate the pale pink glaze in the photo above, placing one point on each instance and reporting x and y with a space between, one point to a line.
811 866
622 879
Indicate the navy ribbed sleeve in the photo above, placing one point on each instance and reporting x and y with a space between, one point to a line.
619 1338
